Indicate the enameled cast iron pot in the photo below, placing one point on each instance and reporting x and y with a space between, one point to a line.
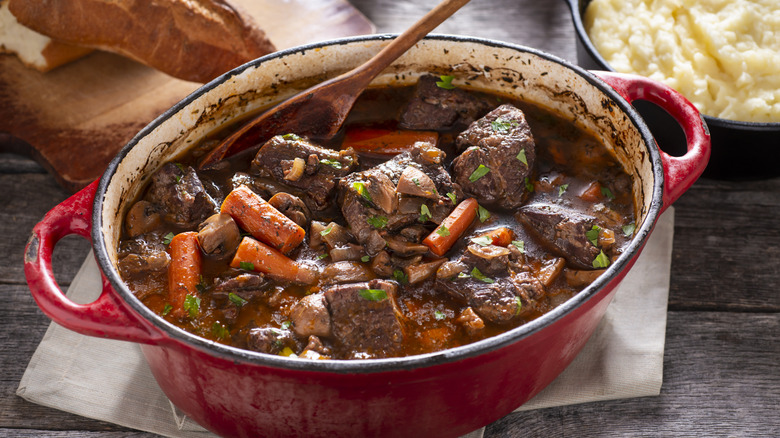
234 392
740 150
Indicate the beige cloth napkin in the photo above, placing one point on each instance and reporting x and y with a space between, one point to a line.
109 380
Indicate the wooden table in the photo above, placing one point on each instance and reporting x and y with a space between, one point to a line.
722 357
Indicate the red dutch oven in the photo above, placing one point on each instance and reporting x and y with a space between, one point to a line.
234 392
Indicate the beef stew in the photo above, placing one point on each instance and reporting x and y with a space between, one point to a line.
441 216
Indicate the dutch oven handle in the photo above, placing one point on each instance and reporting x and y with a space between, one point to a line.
679 172
106 317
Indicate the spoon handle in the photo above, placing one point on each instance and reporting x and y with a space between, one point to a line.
407 39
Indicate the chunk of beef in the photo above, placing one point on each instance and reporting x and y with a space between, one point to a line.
489 259
562 230
270 340
364 196
310 316
502 143
142 256
245 285
178 191
322 167
365 320
436 108
497 300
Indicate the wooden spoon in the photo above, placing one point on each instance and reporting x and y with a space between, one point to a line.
320 111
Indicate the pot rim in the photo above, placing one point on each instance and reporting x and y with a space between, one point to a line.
362 366
579 27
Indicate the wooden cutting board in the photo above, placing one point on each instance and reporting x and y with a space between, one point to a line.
74 119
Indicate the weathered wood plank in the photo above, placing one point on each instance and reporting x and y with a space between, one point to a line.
720 379
25 199
727 247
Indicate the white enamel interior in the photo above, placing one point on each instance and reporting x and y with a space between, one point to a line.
475 64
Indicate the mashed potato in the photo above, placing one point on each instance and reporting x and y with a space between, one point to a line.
723 55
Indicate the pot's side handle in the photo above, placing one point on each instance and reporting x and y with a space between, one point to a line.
679 172
105 317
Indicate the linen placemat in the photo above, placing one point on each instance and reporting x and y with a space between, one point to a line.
110 380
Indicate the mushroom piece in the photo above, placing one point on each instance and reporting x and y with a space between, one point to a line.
349 251
416 183
403 248
422 271
142 218
381 191
292 207
219 235
310 316
346 272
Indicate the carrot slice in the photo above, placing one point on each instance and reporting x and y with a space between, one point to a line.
501 236
257 256
592 193
385 141
183 273
262 220
452 227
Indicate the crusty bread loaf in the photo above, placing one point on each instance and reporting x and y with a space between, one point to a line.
194 40
33 49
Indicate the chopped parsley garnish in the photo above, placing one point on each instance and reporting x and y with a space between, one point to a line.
365 258
180 166
166 310
416 182
219 330
479 276
446 82
237 300
400 276
452 197
178 178
562 189
247 266
332 163
326 231
519 305
628 230
362 190
482 240
425 214
439 315
519 244
529 185
480 171
464 275
521 156
601 260
201 286
483 213
443 231
322 256
377 221
593 235
167 238
608 193
503 126
373 294
291 137
286 325
192 305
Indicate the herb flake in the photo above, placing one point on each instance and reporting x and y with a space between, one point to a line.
219 330
479 172
593 235
452 197
521 156
446 82
377 221
362 190
400 276
519 244
443 231
373 294
425 213
482 240
365 259
481 277
167 238
607 193
483 213
332 163
237 300
562 189
247 266
501 126
439 315
628 230
192 305
601 260
326 231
